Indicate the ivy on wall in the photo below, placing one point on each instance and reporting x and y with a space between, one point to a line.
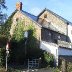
18 32
21 28
18 42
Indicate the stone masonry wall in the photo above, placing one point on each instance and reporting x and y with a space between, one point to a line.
55 22
27 21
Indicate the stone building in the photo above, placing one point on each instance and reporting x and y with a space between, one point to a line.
53 32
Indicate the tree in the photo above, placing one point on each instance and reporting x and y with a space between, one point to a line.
2 16
2 4
2 38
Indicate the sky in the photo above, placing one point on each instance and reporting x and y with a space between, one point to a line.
60 7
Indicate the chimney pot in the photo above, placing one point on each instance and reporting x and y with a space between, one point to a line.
19 5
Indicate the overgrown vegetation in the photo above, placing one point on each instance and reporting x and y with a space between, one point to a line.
18 47
2 57
19 50
4 32
47 59
69 67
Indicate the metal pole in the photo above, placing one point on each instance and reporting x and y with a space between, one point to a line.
25 48
7 52
28 65
6 61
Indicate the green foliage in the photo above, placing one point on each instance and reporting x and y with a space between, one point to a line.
13 70
69 67
56 70
18 42
4 32
20 29
2 15
2 57
4 35
19 32
48 59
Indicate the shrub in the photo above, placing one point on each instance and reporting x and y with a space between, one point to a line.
48 59
13 70
2 57
56 70
69 67
22 48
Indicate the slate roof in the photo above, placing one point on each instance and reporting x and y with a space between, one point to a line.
31 16
66 21
35 18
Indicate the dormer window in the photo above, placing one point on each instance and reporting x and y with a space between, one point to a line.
45 15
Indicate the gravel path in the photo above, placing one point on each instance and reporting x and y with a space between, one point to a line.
40 70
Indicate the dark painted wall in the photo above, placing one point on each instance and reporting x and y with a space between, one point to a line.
52 36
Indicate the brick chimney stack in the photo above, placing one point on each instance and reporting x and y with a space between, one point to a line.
19 5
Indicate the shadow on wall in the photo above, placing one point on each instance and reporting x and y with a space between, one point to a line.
68 39
20 52
3 41
53 36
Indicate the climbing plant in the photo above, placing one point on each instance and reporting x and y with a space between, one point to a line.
48 59
18 42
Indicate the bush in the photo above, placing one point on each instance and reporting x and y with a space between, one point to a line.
2 57
56 70
69 67
22 48
48 59
13 70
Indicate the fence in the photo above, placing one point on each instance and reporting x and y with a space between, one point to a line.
34 63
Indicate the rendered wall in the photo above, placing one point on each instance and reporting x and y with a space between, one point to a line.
51 48
63 51
70 32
